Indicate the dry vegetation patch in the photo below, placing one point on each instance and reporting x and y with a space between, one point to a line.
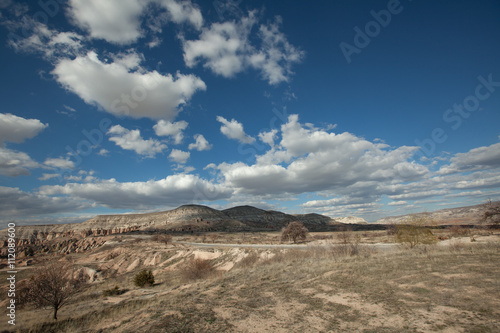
313 289
197 268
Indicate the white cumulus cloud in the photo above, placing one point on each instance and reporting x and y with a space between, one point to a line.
116 21
268 137
480 158
179 156
308 159
17 203
227 49
183 11
123 22
14 163
122 88
132 140
59 163
17 129
48 176
200 143
174 130
32 36
170 191
234 130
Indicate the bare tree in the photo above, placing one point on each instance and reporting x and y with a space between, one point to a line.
415 231
53 285
349 243
294 231
162 238
213 237
492 213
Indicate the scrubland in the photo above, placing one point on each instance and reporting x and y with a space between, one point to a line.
333 282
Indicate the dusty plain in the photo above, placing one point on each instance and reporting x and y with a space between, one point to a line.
333 282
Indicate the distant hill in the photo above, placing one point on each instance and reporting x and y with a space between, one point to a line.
198 218
461 215
187 218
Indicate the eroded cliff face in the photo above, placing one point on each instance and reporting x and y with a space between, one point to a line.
57 245
37 233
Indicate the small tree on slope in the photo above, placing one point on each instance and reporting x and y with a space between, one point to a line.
52 286
294 231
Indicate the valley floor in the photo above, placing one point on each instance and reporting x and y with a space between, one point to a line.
450 287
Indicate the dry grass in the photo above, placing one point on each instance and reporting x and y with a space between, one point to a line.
197 268
319 289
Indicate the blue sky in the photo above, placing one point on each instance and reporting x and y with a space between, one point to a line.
365 108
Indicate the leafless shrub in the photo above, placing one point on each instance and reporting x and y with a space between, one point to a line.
492 213
391 230
321 237
457 246
53 285
459 231
22 293
250 260
197 269
113 291
213 237
162 238
349 243
294 231
345 234
112 255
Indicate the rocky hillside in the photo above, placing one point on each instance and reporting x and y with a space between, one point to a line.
271 219
460 215
187 218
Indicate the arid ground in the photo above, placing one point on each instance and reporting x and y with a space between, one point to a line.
333 282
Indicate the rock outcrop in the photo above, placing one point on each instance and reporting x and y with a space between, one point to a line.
351 220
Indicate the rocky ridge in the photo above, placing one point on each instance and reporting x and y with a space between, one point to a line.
448 216
187 218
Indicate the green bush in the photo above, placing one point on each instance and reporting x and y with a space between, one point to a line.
144 278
